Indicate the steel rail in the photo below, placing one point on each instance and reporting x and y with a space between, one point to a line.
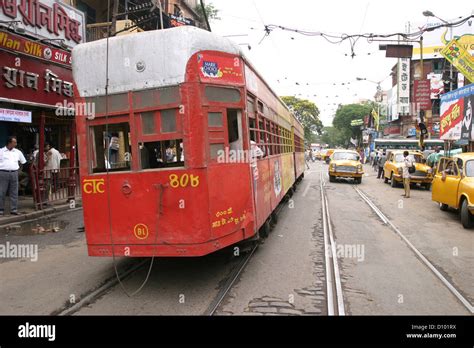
390 224
236 272
335 297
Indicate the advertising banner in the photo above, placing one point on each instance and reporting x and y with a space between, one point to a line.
19 44
215 68
456 114
434 41
460 58
436 85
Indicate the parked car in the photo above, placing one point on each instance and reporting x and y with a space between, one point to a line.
453 186
393 169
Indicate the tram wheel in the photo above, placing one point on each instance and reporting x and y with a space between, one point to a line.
291 191
274 218
264 231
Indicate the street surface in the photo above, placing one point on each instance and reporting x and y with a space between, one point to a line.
380 274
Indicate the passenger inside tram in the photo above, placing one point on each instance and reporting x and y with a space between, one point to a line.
162 154
234 127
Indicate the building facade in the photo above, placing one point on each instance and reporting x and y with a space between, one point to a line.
36 84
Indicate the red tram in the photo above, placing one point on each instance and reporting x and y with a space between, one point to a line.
185 151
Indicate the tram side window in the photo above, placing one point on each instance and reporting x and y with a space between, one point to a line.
110 147
162 154
252 126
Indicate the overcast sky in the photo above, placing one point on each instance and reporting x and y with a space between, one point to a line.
285 58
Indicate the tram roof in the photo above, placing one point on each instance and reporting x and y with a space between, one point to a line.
147 48
161 70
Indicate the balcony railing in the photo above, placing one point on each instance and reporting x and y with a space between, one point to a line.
97 31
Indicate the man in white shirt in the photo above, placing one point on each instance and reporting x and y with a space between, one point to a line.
10 159
52 165
407 163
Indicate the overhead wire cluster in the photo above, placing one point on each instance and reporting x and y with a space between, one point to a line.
353 38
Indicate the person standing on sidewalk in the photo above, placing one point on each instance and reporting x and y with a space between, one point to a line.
407 164
381 163
10 160
52 166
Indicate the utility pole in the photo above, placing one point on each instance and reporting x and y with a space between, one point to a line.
114 17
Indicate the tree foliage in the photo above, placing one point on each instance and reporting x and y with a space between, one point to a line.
308 114
333 137
211 11
345 114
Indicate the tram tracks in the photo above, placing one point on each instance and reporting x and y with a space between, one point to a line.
92 295
419 255
335 297
225 289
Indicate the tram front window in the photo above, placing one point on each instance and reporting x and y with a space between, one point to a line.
162 154
110 147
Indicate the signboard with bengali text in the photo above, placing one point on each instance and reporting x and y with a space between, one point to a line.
19 44
456 120
403 86
46 19
9 115
422 94
26 79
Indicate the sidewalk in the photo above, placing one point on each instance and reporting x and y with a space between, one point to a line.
27 210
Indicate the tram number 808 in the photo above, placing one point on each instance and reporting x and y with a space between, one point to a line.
184 180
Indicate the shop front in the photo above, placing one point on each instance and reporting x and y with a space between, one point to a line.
36 93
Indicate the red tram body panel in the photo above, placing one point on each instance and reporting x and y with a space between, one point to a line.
169 158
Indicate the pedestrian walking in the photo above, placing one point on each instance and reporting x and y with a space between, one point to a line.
408 166
10 160
380 165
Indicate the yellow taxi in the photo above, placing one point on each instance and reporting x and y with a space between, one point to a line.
453 186
393 169
345 164
326 157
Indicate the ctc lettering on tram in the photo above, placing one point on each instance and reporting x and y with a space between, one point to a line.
141 231
94 186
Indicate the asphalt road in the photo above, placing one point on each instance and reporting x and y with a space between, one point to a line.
286 275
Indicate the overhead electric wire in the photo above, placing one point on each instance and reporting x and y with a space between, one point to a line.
343 37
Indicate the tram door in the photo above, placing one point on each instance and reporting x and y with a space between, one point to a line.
230 197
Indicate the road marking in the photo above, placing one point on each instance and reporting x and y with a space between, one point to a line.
386 221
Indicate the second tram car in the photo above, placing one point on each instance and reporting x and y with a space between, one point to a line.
184 149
